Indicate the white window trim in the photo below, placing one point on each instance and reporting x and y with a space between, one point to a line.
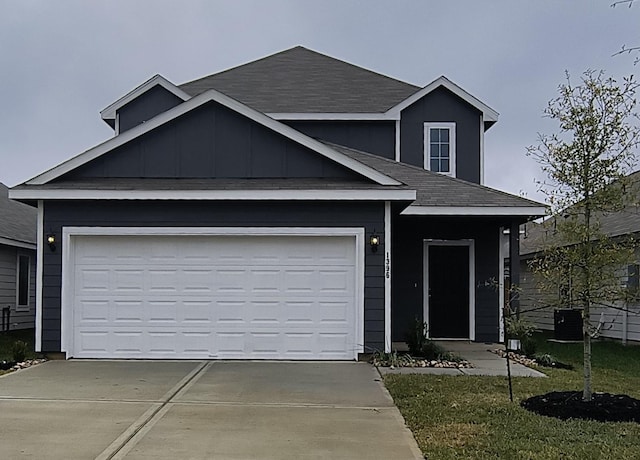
472 283
27 306
68 234
451 126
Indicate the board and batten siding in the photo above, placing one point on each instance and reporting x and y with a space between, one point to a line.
377 137
442 106
534 305
212 141
366 215
408 280
146 106
24 318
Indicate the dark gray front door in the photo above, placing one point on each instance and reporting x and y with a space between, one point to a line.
448 291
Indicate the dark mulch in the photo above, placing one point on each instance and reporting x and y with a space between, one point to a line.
604 407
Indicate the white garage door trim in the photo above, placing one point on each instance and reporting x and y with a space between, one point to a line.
68 234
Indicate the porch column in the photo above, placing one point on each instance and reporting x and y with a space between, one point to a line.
514 267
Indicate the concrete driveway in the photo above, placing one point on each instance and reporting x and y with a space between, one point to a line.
200 410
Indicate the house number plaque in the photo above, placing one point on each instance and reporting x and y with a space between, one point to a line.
387 266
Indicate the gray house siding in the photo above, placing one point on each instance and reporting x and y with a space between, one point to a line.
369 216
537 307
212 142
377 137
145 107
24 318
409 234
441 105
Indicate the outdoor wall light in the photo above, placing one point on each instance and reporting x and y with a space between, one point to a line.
51 242
374 241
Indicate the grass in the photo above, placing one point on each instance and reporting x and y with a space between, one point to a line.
8 338
471 417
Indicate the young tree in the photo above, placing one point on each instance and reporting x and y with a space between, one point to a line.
587 164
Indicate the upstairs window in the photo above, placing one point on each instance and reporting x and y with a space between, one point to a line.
440 148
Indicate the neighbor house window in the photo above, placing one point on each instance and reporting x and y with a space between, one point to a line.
440 148
22 282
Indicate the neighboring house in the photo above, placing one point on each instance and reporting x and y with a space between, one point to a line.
17 263
622 322
295 207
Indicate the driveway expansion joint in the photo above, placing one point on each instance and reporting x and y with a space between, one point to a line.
130 437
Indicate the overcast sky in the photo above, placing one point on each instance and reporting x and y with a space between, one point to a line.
62 62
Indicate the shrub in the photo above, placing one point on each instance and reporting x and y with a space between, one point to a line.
416 337
19 350
528 346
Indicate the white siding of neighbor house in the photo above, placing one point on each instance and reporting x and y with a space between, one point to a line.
8 271
612 319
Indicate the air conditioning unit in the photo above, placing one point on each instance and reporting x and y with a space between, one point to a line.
567 324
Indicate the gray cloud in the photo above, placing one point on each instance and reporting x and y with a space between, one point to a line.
62 62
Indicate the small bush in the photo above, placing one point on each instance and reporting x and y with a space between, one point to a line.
19 350
528 346
416 337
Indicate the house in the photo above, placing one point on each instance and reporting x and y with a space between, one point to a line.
620 320
295 207
17 263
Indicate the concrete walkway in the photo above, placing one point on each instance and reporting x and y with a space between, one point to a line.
200 410
484 362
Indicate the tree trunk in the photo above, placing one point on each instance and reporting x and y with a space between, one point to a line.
586 340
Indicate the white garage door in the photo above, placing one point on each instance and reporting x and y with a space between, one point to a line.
257 297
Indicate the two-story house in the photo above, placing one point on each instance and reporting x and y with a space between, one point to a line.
295 207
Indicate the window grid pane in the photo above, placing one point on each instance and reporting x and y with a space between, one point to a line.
439 150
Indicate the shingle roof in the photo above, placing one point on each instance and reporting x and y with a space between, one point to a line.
435 189
300 80
613 224
17 220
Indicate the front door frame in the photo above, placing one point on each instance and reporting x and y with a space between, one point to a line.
470 243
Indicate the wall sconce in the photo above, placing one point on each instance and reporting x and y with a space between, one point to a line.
374 241
51 242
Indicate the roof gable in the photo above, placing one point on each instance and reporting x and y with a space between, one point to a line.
194 103
108 114
212 142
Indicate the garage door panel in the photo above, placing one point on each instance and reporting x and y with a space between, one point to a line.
230 297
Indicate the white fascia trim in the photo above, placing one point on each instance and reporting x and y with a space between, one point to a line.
16 243
243 195
286 116
474 211
488 113
109 113
39 278
387 277
66 323
481 149
195 102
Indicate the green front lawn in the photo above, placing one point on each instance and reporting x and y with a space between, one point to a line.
455 417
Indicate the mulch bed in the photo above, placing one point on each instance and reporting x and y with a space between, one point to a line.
604 407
